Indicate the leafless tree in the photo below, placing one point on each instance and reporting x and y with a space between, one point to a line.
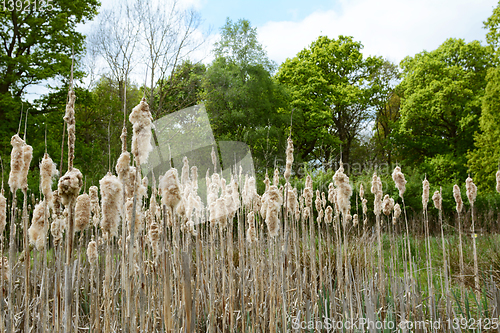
158 34
115 38
170 34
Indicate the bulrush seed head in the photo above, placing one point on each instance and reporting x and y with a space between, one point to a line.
122 166
170 189
498 181
328 214
397 213
48 171
387 205
251 232
94 205
141 118
82 212
471 190
458 198
377 191
399 180
69 186
16 163
438 200
92 254
425 193
37 232
112 200
343 189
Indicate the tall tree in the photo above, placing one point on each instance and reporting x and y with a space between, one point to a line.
492 24
242 99
331 86
115 38
37 39
387 102
485 159
238 44
441 105
182 89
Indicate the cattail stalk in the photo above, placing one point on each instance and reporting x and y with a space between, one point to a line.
459 208
471 195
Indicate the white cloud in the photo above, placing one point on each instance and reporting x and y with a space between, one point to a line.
389 28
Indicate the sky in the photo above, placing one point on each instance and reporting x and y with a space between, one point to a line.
392 29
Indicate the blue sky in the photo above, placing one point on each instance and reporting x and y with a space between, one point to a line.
389 28
260 12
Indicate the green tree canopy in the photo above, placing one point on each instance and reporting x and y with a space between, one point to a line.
238 44
440 107
492 24
484 160
36 45
331 86
242 99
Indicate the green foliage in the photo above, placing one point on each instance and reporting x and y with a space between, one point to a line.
239 45
37 42
243 101
484 160
492 24
181 90
36 45
331 86
440 107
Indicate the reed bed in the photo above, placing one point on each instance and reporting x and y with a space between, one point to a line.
151 256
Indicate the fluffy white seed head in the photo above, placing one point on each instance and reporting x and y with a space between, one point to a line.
92 254
82 212
94 205
361 191
355 220
16 163
397 213
272 201
399 180
364 206
57 228
498 181
251 231
471 190
141 137
438 200
122 166
48 170
377 191
69 186
170 189
425 193
37 232
458 198
344 189
387 205
27 156
328 214
112 200
221 212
